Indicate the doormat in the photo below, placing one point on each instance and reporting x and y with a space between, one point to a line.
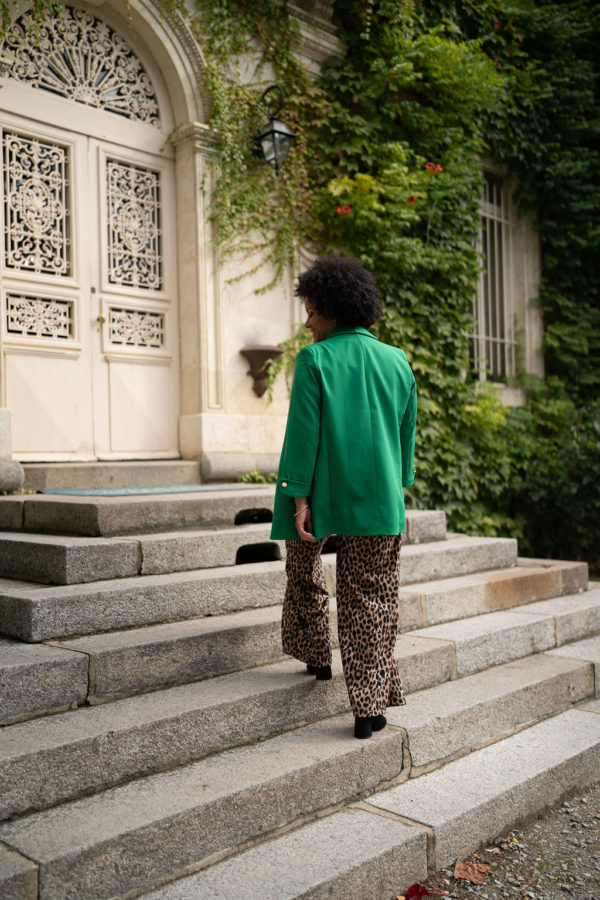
135 491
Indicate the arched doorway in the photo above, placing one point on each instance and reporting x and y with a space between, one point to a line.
90 357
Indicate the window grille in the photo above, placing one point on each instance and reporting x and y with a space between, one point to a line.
36 205
39 317
493 345
134 226
136 328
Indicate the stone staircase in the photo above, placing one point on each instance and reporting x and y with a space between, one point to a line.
155 742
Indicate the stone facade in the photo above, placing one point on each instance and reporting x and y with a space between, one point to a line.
99 358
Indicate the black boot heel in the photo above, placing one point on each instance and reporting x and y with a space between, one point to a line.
362 727
323 673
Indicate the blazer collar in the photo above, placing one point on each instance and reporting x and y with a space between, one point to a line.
358 329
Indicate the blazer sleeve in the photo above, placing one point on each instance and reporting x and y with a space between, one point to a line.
301 442
407 437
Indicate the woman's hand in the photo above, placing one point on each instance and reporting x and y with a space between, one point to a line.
303 521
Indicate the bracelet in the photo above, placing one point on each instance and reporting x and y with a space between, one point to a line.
301 511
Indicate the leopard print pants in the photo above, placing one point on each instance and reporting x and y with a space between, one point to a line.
367 603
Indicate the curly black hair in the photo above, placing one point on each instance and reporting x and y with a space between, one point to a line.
341 288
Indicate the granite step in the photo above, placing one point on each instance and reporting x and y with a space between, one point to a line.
36 679
126 662
375 857
93 516
436 601
64 559
146 473
470 801
382 844
588 649
37 613
493 638
155 827
18 876
49 760
129 836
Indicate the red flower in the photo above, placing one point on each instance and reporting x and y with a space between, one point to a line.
437 169
497 25
412 199
346 210
338 210
430 166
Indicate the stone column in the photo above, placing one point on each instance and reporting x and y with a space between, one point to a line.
11 472
199 309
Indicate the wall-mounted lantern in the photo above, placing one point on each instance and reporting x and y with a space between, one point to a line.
258 355
275 138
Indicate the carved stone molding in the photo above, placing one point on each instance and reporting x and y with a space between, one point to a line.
318 37
197 135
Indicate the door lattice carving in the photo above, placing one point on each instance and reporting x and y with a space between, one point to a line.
39 317
76 55
134 235
131 328
36 206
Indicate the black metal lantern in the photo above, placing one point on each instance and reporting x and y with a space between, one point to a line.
275 139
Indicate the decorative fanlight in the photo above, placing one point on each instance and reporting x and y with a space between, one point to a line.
275 138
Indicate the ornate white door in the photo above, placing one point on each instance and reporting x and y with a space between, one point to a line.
134 354
89 317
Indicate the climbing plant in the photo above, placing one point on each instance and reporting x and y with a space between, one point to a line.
387 166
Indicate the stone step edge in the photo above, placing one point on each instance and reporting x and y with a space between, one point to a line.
265 619
268 862
233 705
107 474
173 819
59 559
568 626
14 587
43 613
117 516
10 832
311 701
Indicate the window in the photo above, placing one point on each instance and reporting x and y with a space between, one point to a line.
493 344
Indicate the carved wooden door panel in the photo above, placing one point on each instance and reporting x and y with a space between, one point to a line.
46 339
135 370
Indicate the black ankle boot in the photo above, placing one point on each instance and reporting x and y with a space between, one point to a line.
323 673
362 727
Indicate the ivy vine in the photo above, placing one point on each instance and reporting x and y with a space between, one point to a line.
387 166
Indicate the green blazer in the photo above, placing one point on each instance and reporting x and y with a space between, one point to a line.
350 437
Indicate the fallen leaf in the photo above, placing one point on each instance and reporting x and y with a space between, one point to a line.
492 850
473 872
477 856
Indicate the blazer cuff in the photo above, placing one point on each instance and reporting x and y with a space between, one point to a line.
409 479
293 488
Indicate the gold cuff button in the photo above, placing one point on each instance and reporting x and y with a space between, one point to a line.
284 484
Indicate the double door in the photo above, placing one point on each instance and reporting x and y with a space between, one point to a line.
89 315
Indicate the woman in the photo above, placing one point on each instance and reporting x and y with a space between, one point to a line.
347 453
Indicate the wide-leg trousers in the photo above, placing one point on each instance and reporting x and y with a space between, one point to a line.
367 583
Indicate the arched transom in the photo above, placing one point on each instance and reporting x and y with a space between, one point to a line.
78 56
